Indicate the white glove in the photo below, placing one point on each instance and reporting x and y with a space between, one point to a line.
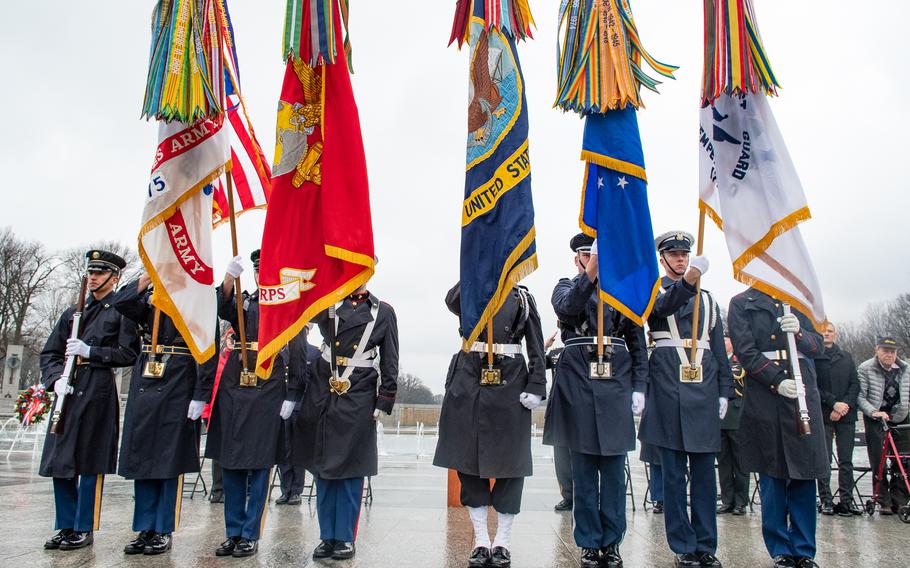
529 401
700 263
235 266
723 407
789 324
638 403
594 248
195 409
61 388
287 407
787 388
376 414
77 347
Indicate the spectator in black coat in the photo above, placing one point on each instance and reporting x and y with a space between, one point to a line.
838 395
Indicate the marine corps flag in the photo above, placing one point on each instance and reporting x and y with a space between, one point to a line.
748 184
317 245
497 217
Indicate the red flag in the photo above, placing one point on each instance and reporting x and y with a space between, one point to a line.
317 245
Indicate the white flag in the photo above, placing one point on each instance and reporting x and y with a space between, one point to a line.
749 186
175 241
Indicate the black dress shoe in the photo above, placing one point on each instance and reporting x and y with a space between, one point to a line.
688 559
724 509
159 544
590 558
564 505
827 508
283 499
843 509
227 547
886 511
245 547
856 510
324 549
77 540
805 562
343 550
137 545
479 557
53 543
784 562
500 558
610 558
658 507
216 497
708 559
738 511
294 499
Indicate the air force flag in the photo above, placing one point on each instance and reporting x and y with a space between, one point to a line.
614 210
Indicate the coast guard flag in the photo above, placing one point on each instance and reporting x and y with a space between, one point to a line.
317 244
497 219
175 241
615 211
749 187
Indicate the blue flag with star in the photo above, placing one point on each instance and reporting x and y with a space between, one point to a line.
614 210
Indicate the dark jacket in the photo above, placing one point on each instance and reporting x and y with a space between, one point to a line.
684 416
840 385
335 435
159 441
769 432
594 416
483 429
91 420
735 407
245 426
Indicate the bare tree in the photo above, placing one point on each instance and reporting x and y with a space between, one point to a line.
411 390
26 271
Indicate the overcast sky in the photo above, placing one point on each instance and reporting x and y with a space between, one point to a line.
75 156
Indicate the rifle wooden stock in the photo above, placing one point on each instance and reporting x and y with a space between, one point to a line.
67 375
793 356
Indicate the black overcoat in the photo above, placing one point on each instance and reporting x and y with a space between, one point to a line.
245 426
594 416
335 435
88 444
483 429
684 416
771 444
842 384
159 441
735 408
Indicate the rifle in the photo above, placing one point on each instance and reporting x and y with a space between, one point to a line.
67 375
793 356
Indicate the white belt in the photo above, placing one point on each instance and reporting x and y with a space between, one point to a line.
684 343
781 355
507 349
365 361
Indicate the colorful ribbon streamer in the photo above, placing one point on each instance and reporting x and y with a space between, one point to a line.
599 58
511 17
309 31
735 59
185 65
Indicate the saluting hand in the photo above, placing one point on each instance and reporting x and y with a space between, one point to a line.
550 341
144 282
591 268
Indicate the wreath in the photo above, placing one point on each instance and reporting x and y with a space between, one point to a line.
32 404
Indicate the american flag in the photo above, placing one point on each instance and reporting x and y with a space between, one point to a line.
250 170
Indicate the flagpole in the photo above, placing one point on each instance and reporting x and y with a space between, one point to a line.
697 307
600 327
152 367
237 297
490 343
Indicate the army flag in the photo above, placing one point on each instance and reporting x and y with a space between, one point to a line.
497 217
175 241
317 245
748 184
749 187
615 211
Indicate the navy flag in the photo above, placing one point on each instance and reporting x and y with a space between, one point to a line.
497 219
614 210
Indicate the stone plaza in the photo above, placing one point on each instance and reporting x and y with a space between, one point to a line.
406 524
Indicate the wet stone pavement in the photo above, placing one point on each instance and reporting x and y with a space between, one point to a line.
406 525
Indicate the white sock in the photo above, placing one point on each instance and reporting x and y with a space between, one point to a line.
479 520
504 531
